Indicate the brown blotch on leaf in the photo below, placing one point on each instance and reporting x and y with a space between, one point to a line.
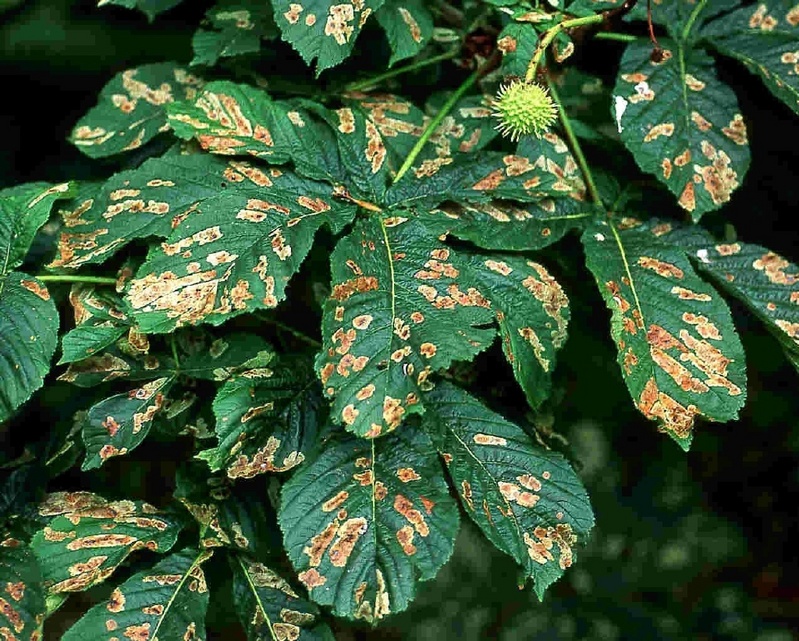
774 266
335 502
347 535
116 602
675 418
35 288
687 294
403 506
407 474
661 268
346 289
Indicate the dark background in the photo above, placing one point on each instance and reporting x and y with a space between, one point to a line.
696 546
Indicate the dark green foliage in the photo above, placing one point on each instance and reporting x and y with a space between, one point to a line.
304 325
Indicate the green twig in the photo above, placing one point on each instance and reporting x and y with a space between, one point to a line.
367 83
550 35
437 119
68 278
694 15
575 146
294 332
619 37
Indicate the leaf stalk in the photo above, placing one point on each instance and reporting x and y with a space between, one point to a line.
69 278
575 146
369 83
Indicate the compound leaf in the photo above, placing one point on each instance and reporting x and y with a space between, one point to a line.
321 29
266 419
118 424
269 608
28 316
678 350
22 607
131 109
233 254
408 26
763 36
166 601
682 124
397 311
527 500
88 537
364 520
236 28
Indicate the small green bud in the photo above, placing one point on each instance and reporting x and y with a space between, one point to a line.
524 108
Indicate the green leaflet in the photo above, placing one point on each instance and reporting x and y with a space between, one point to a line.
267 419
236 518
99 322
28 338
532 312
502 225
682 124
131 109
237 28
541 171
398 310
22 608
233 255
763 36
151 201
765 282
322 29
517 42
511 226
28 317
361 149
118 424
166 601
364 520
527 500
269 608
150 7
201 356
677 346
233 119
88 537
408 26
468 127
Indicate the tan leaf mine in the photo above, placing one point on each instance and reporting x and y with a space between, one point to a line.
338 24
718 178
544 540
413 26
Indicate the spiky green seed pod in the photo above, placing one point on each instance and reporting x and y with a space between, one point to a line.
524 108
